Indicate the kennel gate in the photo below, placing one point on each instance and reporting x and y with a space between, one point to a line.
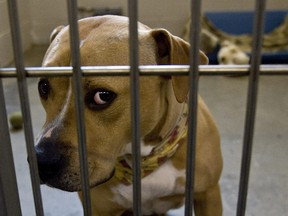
9 197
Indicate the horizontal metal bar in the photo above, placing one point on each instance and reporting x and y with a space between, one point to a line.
204 70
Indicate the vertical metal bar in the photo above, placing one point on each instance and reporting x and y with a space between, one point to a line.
79 103
193 103
135 115
3 208
24 101
251 105
10 203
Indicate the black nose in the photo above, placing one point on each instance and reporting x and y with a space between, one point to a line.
50 161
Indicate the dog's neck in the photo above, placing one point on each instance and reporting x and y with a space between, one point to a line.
170 114
165 144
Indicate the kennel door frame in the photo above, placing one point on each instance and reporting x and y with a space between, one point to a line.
9 196
24 103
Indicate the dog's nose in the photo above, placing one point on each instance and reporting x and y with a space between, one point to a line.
49 160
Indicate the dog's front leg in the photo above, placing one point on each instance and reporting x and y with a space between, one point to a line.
208 203
102 205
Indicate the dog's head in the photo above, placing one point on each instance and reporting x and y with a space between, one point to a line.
103 41
231 54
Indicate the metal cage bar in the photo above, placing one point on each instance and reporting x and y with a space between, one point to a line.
144 70
193 104
24 102
135 104
258 32
79 103
9 196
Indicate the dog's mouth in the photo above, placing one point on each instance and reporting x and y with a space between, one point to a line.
59 166
68 178
71 181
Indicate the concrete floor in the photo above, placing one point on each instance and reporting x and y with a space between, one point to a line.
226 97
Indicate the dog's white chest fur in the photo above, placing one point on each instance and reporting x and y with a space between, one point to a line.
160 183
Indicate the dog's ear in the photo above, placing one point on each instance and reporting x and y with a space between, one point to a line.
55 32
172 50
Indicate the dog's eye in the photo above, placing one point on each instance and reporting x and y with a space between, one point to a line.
99 99
102 97
223 59
44 88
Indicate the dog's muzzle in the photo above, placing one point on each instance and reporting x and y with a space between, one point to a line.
50 160
59 167
54 165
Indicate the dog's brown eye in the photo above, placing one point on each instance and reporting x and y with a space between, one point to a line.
99 99
223 59
44 88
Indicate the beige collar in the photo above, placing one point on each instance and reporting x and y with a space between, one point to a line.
159 154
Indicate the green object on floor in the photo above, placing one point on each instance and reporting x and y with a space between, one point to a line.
16 120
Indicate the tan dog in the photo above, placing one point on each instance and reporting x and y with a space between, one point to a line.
104 41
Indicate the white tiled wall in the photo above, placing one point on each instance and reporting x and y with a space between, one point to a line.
46 15
39 17
170 14
5 41
6 54
155 13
